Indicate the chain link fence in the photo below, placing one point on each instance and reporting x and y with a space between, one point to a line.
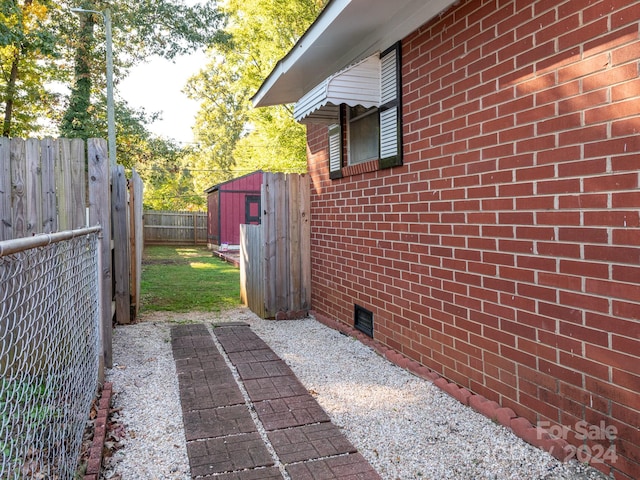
49 351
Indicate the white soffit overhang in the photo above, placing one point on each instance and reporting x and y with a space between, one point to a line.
345 32
358 84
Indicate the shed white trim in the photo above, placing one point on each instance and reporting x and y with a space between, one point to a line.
358 84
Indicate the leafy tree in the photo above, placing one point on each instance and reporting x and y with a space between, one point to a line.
169 180
26 42
236 137
139 30
78 121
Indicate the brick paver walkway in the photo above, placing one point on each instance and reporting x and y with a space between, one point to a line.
223 440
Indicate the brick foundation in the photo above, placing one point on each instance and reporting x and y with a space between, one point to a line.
504 254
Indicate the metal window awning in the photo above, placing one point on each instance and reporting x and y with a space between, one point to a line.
358 84
346 31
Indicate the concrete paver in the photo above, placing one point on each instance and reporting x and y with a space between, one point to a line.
269 473
309 442
217 422
271 388
199 398
346 467
228 454
252 356
267 369
223 439
289 412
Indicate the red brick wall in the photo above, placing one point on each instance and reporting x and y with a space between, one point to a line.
505 253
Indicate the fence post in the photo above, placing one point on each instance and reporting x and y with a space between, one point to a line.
6 225
100 214
33 187
49 158
135 231
195 229
18 188
252 286
305 241
121 245
293 241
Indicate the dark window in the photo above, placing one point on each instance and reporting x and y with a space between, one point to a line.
252 210
363 125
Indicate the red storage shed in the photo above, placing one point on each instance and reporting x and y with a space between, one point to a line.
230 204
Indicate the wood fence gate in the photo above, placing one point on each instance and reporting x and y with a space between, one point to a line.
54 185
275 261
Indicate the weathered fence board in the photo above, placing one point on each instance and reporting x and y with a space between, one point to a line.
49 158
42 186
47 185
283 282
5 189
251 268
293 194
120 222
18 187
136 236
78 179
269 240
304 219
33 187
175 228
100 214
70 183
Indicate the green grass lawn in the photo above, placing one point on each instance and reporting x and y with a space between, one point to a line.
181 279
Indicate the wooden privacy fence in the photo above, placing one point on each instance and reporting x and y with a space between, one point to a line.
275 262
175 228
136 237
126 204
252 269
54 185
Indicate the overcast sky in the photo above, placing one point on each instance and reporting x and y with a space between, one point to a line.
157 86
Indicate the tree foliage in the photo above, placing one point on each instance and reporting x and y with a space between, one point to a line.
140 29
44 43
46 47
27 46
168 183
235 137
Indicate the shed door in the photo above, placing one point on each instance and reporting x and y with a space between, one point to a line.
252 209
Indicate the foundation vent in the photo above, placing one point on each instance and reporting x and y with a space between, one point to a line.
363 320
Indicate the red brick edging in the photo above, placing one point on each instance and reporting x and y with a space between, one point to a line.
520 426
95 453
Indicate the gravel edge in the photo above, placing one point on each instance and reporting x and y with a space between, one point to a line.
405 426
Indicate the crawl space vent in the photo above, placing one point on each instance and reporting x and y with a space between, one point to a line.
363 320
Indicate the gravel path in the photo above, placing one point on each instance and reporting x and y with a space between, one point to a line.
406 427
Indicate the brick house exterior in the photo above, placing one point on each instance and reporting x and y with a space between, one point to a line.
503 250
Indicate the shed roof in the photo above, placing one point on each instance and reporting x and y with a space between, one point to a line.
345 32
218 185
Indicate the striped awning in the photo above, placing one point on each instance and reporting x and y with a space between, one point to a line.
358 84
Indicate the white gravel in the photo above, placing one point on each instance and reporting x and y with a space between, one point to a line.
406 427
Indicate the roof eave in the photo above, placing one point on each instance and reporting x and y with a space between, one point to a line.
340 36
